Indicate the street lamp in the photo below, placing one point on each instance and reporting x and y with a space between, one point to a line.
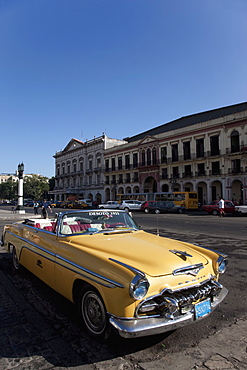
20 208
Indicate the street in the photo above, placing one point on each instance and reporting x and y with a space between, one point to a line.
39 328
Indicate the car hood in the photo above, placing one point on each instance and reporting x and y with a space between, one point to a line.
151 254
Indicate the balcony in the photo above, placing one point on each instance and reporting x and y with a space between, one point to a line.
174 177
213 153
215 172
187 174
200 173
235 171
164 176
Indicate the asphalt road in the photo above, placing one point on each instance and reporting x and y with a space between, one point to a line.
70 347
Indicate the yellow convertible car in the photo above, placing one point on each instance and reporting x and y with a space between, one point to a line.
119 276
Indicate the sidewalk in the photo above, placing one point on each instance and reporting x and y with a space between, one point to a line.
226 350
12 215
29 341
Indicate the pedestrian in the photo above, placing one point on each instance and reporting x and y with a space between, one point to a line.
221 207
36 207
45 208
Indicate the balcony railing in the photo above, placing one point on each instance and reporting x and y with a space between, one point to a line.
187 174
235 171
215 172
200 173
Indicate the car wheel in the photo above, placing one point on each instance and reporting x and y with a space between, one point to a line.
214 212
93 313
157 211
146 210
15 260
180 211
126 209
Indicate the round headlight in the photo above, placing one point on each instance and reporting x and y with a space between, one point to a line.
139 287
222 263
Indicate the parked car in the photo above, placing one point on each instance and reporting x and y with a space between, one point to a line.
119 276
241 210
213 208
164 207
109 204
56 204
131 205
77 204
28 203
88 202
64 204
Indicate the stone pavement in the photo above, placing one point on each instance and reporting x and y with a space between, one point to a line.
29 341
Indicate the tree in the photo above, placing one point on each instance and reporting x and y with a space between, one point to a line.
35 187
8 189
52 183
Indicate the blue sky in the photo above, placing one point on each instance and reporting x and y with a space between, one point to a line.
77 68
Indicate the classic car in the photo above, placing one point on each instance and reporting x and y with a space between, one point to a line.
120 277
164 207
56 204
213 208
77 205
241 210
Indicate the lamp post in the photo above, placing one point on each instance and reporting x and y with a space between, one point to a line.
20 208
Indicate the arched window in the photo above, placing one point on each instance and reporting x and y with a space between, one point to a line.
74 165
154 154
148 157
143 158
68 167
235 142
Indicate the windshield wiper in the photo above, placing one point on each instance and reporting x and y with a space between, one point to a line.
114 231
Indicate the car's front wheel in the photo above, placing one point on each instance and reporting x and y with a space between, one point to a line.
146 210
93 313
214 212
157 211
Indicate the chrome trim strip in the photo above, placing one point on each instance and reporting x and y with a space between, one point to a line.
39 254
133 269
111 283
212 250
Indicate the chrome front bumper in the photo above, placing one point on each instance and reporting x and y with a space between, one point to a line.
141 327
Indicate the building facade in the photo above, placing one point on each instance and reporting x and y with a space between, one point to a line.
204 152
4 177
79 169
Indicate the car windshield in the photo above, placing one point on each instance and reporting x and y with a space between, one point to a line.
91 222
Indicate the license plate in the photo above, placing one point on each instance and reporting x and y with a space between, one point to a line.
202 308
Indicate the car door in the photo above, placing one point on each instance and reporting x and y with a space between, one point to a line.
39 252
229 207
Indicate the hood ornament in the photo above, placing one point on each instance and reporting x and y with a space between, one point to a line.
180 253
189 270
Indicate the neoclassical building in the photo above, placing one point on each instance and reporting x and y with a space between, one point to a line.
79 169
204 152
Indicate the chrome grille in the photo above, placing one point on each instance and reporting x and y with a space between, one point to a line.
156 305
